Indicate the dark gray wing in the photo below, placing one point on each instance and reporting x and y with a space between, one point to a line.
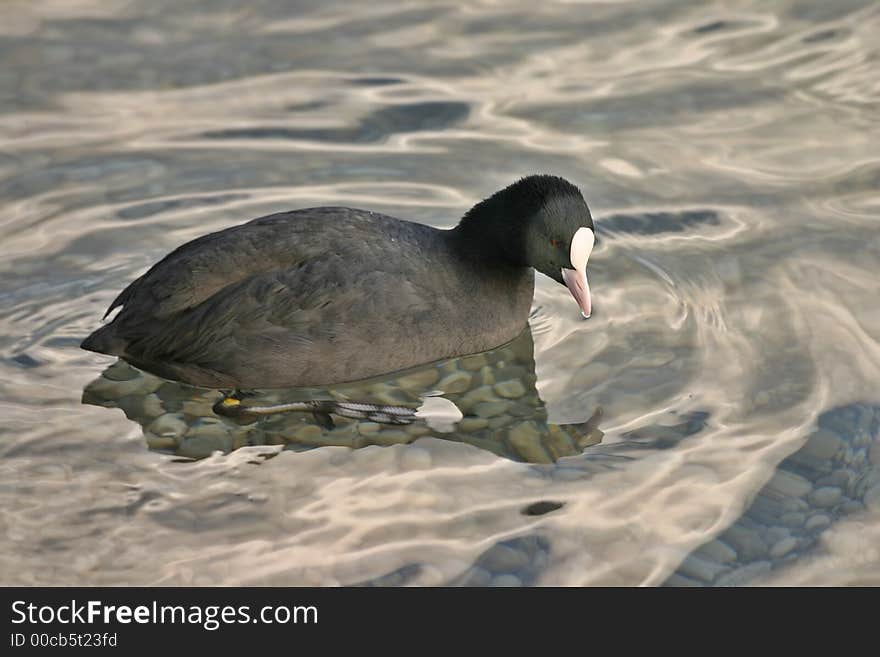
320 321
197 270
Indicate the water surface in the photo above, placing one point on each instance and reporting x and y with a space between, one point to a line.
729 154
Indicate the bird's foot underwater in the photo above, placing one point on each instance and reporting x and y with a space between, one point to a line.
232 406
244 408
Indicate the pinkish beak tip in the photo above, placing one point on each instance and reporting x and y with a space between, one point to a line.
576 282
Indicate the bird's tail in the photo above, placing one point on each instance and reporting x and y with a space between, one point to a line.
105 341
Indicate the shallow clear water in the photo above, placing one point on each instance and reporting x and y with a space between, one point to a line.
729 153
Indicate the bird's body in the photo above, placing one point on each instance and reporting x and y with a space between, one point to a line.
320 296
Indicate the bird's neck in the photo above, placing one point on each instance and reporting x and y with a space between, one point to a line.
490 237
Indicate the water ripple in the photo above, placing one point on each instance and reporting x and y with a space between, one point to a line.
730 160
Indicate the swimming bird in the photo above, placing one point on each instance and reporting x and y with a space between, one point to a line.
326 295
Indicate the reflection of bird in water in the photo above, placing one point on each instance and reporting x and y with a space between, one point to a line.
491 402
